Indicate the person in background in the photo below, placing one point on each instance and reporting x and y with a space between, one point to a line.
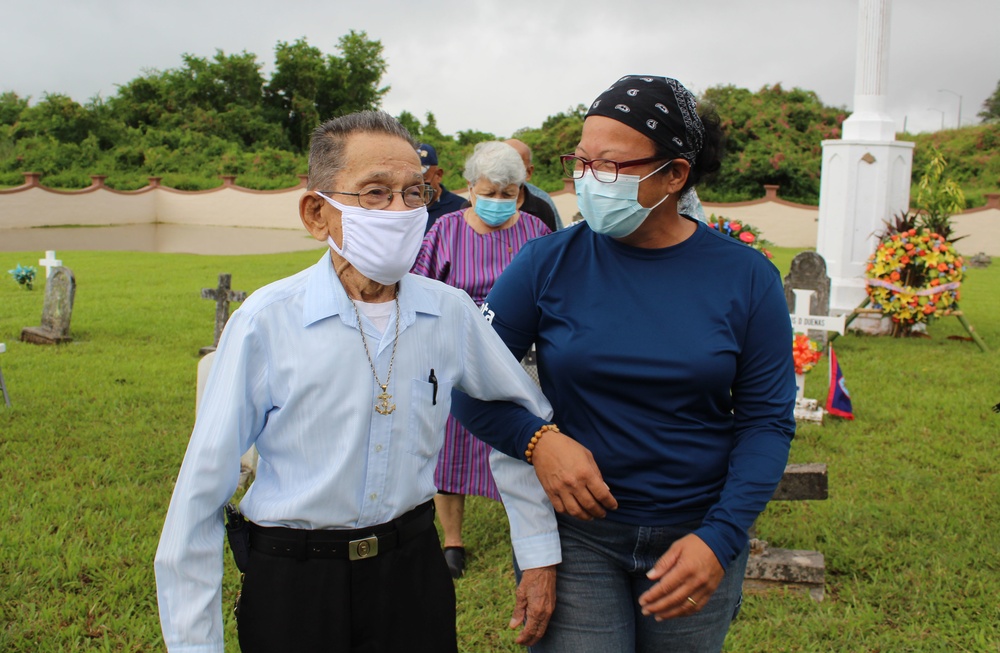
468 249
341 375
663 347
444 201
534 200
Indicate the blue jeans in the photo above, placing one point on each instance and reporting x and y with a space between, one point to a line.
598 585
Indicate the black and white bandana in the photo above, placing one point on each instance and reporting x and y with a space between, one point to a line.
657 107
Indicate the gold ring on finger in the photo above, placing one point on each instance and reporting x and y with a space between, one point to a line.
692 602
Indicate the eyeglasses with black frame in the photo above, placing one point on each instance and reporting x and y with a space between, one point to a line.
380 197
574 166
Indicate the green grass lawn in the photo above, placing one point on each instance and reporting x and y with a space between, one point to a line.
91 447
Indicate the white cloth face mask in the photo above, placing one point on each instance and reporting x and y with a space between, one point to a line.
382 245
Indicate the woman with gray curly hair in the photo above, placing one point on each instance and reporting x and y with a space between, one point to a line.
468 249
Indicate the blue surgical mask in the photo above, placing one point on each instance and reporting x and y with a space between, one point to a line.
613 208
495 212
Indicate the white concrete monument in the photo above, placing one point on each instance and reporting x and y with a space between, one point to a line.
866 174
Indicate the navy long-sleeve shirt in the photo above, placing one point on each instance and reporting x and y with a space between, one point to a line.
673 366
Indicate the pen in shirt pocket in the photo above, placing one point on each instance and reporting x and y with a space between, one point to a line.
433 380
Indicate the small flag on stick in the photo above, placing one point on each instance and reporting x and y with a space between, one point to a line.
838 399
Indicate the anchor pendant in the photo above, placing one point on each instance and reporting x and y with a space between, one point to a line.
383 407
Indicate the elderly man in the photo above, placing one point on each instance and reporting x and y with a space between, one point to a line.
444 201
341 375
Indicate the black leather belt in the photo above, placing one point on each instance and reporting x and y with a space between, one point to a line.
354 544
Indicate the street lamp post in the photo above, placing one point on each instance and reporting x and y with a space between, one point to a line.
939 111
959 121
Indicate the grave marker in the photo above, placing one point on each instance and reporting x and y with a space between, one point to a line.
49 262
769 567
3 384
60 291
804 321
808 409
222 295
807 292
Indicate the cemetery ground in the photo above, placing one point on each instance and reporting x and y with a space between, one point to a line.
90 449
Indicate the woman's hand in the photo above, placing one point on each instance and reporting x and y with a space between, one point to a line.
569 475
687 575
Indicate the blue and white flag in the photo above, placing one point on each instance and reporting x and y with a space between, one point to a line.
838 399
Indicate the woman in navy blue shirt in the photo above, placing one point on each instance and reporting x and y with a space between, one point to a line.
665 349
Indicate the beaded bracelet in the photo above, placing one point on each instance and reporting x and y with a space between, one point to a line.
530 451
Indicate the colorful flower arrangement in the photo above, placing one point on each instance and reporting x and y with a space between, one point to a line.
914 275
805 352
25 276
745 233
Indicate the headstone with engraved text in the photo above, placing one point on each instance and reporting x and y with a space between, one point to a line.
808 272
60 291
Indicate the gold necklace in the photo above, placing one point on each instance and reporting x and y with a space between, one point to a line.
383 407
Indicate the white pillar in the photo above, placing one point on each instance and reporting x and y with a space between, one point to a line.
869 122
866 174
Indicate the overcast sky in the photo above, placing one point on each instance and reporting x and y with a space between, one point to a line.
496 66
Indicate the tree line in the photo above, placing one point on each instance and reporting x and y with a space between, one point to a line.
209 117
221 116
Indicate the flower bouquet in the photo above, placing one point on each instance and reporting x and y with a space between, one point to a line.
745 233
805 352
24 276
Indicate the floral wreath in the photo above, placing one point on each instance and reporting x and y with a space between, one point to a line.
913 275
741 231
805 352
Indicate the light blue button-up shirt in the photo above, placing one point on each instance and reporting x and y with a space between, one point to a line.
291 376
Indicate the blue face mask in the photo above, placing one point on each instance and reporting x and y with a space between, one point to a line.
495 212
613 208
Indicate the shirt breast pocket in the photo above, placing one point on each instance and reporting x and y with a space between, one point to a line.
429 408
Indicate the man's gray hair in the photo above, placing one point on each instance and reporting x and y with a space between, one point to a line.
495 162
326 151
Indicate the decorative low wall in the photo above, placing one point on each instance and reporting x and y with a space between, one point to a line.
786 224
980 228
34 205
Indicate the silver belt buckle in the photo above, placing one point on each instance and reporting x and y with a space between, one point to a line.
361 549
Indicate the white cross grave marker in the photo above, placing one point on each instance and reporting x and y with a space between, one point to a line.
802 322
50 261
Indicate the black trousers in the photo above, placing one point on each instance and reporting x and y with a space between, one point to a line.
401 600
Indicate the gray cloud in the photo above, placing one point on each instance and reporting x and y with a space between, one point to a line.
498 67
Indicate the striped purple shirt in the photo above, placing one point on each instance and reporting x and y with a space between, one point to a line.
454 253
